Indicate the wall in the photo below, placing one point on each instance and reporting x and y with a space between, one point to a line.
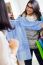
18 6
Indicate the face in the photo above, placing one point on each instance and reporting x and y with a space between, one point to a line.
29 9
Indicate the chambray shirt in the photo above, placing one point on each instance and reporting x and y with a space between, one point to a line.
19 33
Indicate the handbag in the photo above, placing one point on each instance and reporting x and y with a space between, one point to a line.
39 48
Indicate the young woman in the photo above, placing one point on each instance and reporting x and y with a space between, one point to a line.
32 13
8 50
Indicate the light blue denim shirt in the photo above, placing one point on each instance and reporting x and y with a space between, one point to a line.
19 33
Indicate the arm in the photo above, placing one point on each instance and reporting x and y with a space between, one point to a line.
37 25
15 22
4 50
5 57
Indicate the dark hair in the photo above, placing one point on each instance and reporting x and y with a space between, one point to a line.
35 7
4 20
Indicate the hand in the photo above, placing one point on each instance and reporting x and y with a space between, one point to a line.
13 43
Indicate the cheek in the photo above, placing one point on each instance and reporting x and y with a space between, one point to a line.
29 10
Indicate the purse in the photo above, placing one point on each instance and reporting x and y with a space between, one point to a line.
39 48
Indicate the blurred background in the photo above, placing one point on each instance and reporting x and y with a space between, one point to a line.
18 6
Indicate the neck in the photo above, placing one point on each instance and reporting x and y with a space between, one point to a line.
29 14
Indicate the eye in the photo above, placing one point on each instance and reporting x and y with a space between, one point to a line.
29 6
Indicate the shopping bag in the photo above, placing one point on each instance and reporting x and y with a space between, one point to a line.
39 48
41 42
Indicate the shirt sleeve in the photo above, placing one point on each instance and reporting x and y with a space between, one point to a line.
4 51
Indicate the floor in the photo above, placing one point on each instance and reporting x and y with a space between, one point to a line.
34 60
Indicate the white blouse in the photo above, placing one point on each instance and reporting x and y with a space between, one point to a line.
6 57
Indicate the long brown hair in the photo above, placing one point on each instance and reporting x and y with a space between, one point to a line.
35 7
4 20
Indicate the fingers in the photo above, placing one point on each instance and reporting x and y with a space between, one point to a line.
13 43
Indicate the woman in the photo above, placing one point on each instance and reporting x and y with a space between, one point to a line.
7 51
32 13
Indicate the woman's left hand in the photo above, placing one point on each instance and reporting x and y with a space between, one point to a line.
13 43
